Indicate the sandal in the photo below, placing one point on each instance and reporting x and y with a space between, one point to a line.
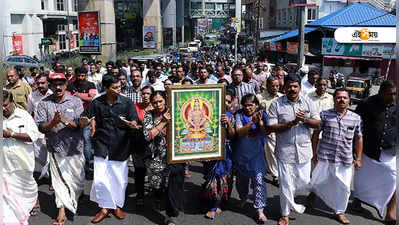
285 220
36 209
210 215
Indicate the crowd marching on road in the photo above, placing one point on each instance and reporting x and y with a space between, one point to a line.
99 121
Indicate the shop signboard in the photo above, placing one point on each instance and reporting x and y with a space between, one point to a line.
388 51
17 46
332 47
89 32
372 50
148 36
292 47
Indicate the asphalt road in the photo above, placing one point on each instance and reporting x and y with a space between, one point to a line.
194 208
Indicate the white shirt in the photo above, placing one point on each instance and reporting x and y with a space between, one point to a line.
158 86
34 98
321 103
307 88
19 155
96 79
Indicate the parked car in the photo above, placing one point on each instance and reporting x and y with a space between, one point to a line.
21 60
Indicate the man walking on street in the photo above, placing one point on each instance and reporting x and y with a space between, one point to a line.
332 176
19 186
379 115
265 99
112 118
291 117
56 116
20 90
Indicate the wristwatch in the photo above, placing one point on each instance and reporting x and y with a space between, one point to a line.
65 123
305 120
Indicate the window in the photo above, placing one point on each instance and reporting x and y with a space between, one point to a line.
62 41
261 23
76 40
61 27
60 5
209 5
312 14
75 5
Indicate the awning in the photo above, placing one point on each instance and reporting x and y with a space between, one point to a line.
351 58
272 33
293 33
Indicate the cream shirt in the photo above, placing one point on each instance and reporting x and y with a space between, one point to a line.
265 99
321 103
19 155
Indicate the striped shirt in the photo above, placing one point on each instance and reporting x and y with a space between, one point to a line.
132 94
338 135
241 90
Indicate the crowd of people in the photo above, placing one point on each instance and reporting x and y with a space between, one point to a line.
74 121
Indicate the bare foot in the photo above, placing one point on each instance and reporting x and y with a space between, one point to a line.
61 218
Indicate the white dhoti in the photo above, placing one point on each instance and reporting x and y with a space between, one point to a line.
19 197
42 156
332 183
68 178
271 161
109 183
375 182
293 177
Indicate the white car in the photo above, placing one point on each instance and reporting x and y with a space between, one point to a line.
198 41
193 46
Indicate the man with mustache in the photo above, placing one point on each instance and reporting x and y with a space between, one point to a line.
379 115
291 117
134 92
19 89
340 148
56 116
18 163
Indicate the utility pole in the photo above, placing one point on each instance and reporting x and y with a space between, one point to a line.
238 28
301 29
256 39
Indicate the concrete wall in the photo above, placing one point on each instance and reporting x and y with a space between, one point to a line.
152 17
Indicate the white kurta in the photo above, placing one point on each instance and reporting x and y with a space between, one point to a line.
109 183
18 185
68 179
332 183
375 182
293 177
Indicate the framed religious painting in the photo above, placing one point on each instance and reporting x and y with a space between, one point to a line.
195 131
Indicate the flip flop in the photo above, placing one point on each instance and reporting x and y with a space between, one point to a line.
342 218
210 215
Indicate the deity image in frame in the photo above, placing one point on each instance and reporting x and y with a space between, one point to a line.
195 131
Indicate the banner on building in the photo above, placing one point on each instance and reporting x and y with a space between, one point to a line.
292 47
295 3
17 46
149 37
72 42
273 46
235 23
89 32
331 47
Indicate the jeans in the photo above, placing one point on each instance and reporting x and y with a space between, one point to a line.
87 144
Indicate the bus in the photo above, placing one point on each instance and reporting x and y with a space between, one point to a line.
211 39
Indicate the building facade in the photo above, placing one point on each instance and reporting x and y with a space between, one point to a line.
26 22
210 15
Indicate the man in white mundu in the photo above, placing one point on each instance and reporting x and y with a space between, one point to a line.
18 185
291 116
375 182
332 176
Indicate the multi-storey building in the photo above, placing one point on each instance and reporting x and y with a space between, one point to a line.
211 16
26 22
